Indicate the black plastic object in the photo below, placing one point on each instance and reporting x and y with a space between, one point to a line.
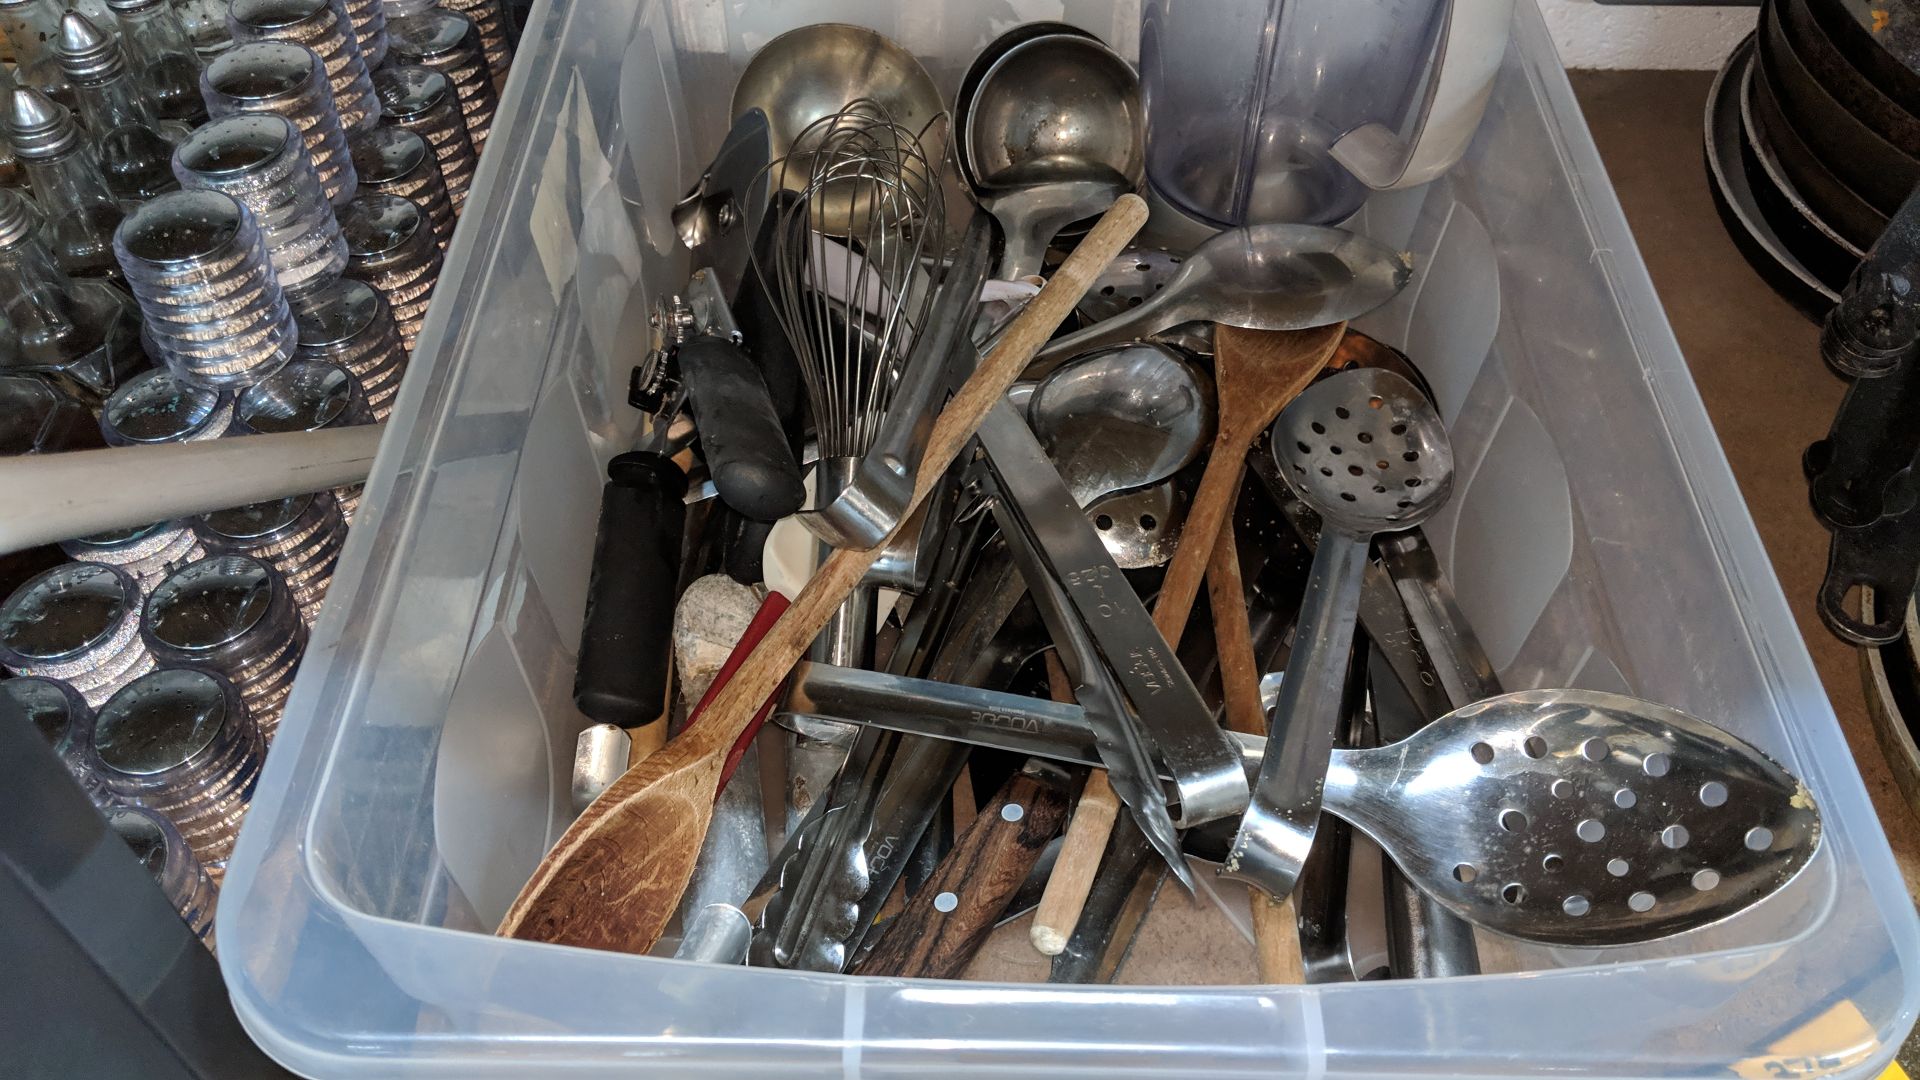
625 644
753 467
1861 478
95 951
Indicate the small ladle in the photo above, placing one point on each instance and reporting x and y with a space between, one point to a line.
1261 277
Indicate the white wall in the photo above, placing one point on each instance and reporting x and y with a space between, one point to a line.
1592 35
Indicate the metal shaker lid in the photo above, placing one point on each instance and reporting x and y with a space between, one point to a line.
305 395
340 312
66 611
410 90
257 520
378 226
162 720
156 407
210 603
386 154
234 145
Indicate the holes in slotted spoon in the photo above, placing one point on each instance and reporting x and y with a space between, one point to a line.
1324 471
1398 429
1304 448
1713 793
1705 880
1575 905
1552 863
1513 820
1618 867
1759 838
1514 893
1594 749
1413 481
1674 836
1404 503
1411 455
1656 764
1347 496
1133 301
1341 412
1562 789
1365 436
1641 901
1143 267
1625 798
1482 753
1355 470
1465 873
1591 830
1318 428
1336 449
1535 747
1379 489
1106 290
1103 523
1148 522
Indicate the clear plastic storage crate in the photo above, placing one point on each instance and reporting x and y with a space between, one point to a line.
1595 538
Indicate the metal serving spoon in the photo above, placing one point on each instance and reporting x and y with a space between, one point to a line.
1261 277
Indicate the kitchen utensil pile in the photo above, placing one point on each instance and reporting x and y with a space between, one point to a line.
986 697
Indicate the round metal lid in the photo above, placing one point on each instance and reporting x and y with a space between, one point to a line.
156 407
410 90
376 224
305 395
39 127
65 611
210 603
341 312
237 144
275 14
49 706
262 70
116 537
86 54
258 519
19 217
430 33
160 721
181 227
386 154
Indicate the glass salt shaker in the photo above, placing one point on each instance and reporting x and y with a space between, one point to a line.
82 335
323 26
288 80
422 101
206 24
181 743
349 324
390 247
64 719
306 395
490 20
233 615
369 19
31 27
127 138
261 160
448 42
65 173
396 161
164 853
300 536
148 552
79 623
162 58
160 407
37 417
198 266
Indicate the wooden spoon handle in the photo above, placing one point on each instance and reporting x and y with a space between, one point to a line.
945 923
1276 929
616 876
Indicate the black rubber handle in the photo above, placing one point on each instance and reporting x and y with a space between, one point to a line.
626 643
753 466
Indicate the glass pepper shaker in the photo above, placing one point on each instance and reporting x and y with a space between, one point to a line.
37 417
160 407
235 616
206 24
165 854
82 335
181 743
78 623
198 267
261 160
64 719
127 139
323 26
162 57
31 27
306 395
446 41
300 536
396 161
290 81
390 247
490 20
65 174
148 552
350 324
422 101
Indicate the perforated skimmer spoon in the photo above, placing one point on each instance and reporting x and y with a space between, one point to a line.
1367 452
1566 817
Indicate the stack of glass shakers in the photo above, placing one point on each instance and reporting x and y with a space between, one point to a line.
216 219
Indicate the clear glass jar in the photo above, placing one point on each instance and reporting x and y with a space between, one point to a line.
261 160
160 407
300 536
79 623
127 136
369 19
323 26
234 615
395 161
205 22
162 58
306 395
350 324
422 101
65 174
289 80
83 336
37 417
31 27
64 719
181 743
449 43
390 247
490 19
165 854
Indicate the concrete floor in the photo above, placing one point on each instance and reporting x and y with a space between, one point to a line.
1757 363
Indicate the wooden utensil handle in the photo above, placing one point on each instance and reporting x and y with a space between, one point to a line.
944 924
1073 870
1205 515
1276 940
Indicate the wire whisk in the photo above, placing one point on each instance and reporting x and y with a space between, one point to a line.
857 236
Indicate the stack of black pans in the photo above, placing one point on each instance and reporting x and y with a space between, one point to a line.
1813 138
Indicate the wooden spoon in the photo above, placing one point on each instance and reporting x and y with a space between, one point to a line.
1256 373
616 876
